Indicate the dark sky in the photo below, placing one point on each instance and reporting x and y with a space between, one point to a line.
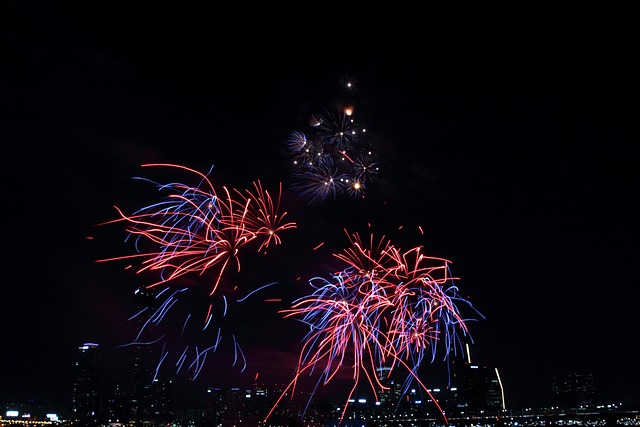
507 133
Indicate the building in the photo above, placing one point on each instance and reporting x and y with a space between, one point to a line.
149 394
117 404
479 388
482 388
391 395
572 390
87 382
139 387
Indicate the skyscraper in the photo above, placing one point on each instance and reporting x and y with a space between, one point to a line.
479 387
572 389
87 383
149 393
117 404
482 387
140 380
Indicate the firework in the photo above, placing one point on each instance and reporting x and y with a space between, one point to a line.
386 308
193 230
333 157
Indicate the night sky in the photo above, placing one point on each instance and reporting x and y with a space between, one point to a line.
508 134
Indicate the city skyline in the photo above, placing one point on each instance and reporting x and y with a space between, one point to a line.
138 400
476 394
508 153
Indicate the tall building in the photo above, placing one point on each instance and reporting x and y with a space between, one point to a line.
117 404
87 382
140 377
235 405
214 405
262 399
392 393
482 388
149 394
572 390
160 403
478 386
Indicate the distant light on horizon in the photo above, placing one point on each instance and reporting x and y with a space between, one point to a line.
88 345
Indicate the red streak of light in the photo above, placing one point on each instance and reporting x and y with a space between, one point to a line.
322 243
344 153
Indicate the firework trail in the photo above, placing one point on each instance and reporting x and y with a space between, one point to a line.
334 157
386 308
195 230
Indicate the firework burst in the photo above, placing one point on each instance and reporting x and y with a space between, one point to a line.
193 230
386 308
334 157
